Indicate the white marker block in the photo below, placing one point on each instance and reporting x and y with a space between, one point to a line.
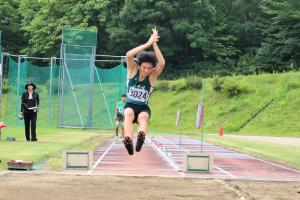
201 162
78 159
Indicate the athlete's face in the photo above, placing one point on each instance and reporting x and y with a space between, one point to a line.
123 99
146 69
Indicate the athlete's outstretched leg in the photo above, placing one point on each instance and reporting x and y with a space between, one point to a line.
143 122
123 130
116 129
128 129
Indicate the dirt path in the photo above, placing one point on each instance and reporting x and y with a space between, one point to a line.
276 140
35 186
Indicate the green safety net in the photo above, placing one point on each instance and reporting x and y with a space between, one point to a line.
113 82
73 91
46 78
1 78
0 48
107 88
88 93
1 53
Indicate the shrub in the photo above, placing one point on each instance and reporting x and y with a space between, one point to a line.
193 82
292 86
218 84
178 85
232 89
163 86
5 86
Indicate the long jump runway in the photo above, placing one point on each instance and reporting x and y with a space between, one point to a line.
112 159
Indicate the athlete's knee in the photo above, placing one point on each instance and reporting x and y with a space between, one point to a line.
128 114
143 117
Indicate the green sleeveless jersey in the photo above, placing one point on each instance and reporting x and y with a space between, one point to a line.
120 107
138 92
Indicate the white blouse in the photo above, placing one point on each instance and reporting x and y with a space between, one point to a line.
30 95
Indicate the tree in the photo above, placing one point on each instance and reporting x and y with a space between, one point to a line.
10 21
280 49
43 22
239 31
186 29
197 37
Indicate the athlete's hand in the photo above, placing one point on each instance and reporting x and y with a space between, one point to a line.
154 37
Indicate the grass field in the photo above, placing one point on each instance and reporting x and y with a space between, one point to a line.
248 113
51 143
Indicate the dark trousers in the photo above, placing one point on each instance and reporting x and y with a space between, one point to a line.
30 121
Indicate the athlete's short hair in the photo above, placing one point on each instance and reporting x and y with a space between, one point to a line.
146 56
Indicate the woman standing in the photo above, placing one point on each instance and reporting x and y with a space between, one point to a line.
29 109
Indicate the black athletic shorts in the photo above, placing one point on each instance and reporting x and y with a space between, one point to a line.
120 117
137 109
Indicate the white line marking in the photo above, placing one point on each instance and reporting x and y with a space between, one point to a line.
254 158
101 158
290 169
229 174
214 165
247 156
172 143
173 165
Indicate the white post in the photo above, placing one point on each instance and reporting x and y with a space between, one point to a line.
50 90
18 87
1 83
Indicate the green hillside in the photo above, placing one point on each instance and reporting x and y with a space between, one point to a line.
265 104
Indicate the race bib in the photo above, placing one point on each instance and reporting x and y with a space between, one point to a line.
138 94
121 109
